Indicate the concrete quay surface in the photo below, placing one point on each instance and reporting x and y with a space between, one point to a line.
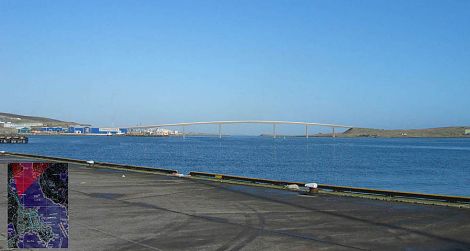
146 211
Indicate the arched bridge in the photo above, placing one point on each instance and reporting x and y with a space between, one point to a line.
220 123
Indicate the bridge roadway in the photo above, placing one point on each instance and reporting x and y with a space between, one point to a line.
220 123
147 211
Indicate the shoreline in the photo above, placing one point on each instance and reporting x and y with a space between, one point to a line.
262 135
363 136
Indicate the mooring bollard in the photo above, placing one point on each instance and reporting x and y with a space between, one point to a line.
312 187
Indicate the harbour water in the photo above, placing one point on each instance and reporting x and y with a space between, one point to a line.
427 165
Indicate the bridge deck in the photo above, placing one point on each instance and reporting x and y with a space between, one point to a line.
144 211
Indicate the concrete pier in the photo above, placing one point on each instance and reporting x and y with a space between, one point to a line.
13 139
149 211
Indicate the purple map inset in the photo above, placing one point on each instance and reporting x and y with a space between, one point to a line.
38 205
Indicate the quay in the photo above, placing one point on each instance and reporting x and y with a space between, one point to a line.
121 207
8 139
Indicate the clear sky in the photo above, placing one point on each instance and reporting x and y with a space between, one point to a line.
386 64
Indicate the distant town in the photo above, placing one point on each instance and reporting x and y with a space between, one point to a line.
19 124
38 129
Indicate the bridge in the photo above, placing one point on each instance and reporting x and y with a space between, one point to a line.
220 123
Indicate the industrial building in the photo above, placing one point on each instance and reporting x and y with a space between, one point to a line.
24 130
55 129
78 129
68 130
85 130
96 130
108 130
13 127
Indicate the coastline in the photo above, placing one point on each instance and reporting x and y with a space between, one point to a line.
338 135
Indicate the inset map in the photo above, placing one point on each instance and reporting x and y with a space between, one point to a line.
38 205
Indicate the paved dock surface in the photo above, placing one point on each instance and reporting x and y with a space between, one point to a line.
144 211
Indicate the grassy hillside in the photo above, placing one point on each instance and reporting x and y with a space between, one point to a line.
401 133
19 119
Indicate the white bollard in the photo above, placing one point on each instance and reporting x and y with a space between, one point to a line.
313 187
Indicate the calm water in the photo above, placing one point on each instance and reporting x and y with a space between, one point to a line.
420 165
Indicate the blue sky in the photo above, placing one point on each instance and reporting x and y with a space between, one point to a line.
385 64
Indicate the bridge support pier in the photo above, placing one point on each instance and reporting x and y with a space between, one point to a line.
220 131
334 133
274 131
184 134
306 131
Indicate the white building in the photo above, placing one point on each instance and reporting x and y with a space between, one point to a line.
22 125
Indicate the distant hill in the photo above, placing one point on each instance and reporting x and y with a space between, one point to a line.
456 131
22 119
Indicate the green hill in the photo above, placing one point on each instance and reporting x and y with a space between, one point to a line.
22 119
459 131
